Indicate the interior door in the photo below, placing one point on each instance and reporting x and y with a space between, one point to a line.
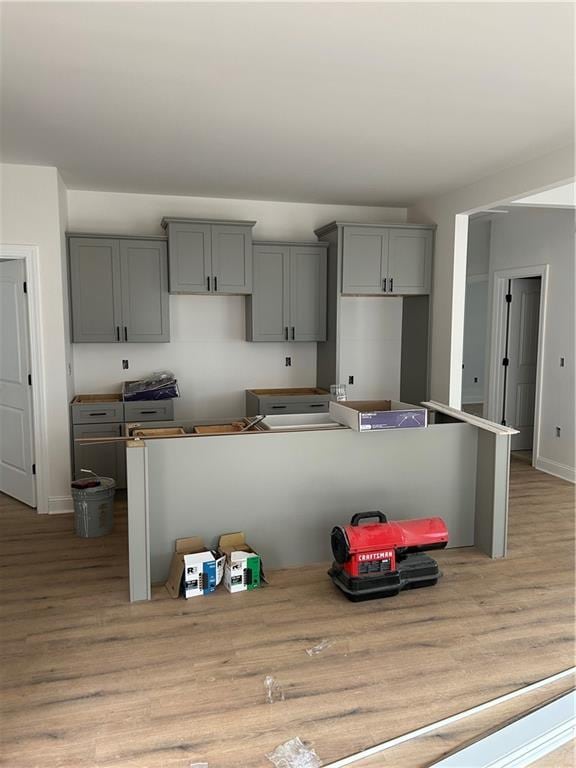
16 424
523 357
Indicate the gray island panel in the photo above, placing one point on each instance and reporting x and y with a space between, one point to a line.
287 490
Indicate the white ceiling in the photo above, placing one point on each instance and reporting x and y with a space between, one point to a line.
336 103
559 197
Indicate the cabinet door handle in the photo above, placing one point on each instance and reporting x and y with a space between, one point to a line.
286 333
215 283
293 333
384 284
148 412
99 413
208 282
117 333
315 405
391 285
278 407
125 333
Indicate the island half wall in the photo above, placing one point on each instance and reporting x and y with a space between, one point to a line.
286 490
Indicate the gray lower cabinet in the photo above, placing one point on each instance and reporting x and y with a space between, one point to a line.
288 302
118 289
386 260
105 459
96 416
209 256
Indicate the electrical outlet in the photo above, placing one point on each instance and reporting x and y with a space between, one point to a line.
350 379
562 362
288 362
558 430
125 365
475 379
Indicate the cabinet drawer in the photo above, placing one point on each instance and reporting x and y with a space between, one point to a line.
155 410
311 406
97 413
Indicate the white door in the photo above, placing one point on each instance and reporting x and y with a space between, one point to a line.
16 438
523 358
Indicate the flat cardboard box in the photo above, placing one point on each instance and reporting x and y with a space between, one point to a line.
243 566
370 415
195 567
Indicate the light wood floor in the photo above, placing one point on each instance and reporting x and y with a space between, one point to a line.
90 681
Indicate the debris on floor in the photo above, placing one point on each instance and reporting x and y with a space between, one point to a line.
274 691
294 754
322 646
198 765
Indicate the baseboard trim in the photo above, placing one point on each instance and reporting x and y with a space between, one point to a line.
60 505
554 468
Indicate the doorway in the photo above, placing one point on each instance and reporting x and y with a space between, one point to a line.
520 361
17 462
516 355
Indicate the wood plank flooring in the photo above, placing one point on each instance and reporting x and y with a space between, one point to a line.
91 681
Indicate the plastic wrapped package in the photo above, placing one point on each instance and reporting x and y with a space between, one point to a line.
294 754
160 385
274 691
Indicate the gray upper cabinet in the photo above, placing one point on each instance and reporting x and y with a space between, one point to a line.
209 256
410 261
288 302
119 290
267 309
307 293
365 259
386 260
145 310
96 297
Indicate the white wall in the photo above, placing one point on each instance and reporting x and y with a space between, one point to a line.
536 236
476 311
32 213
208 353
449 279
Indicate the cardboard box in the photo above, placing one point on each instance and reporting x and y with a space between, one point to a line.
369 415
243 566
194 569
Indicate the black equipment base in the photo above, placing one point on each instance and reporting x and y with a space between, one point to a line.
414 571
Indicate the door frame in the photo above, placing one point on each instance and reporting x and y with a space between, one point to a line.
31 257
495 381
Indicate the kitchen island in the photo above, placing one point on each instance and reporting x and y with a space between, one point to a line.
287 488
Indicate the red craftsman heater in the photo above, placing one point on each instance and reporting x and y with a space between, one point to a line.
380 559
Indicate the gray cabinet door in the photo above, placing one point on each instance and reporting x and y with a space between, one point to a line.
267 309
410 261
364 260
145 314
231 258
105 459
307 294
96 299
190 258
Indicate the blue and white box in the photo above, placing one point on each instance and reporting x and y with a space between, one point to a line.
371 415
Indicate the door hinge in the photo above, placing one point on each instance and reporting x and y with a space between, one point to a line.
508 298
25 286
33 469
29 379
505 362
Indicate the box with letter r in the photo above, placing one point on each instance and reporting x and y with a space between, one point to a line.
242 566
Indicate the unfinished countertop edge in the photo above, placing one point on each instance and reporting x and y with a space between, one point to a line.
475 421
